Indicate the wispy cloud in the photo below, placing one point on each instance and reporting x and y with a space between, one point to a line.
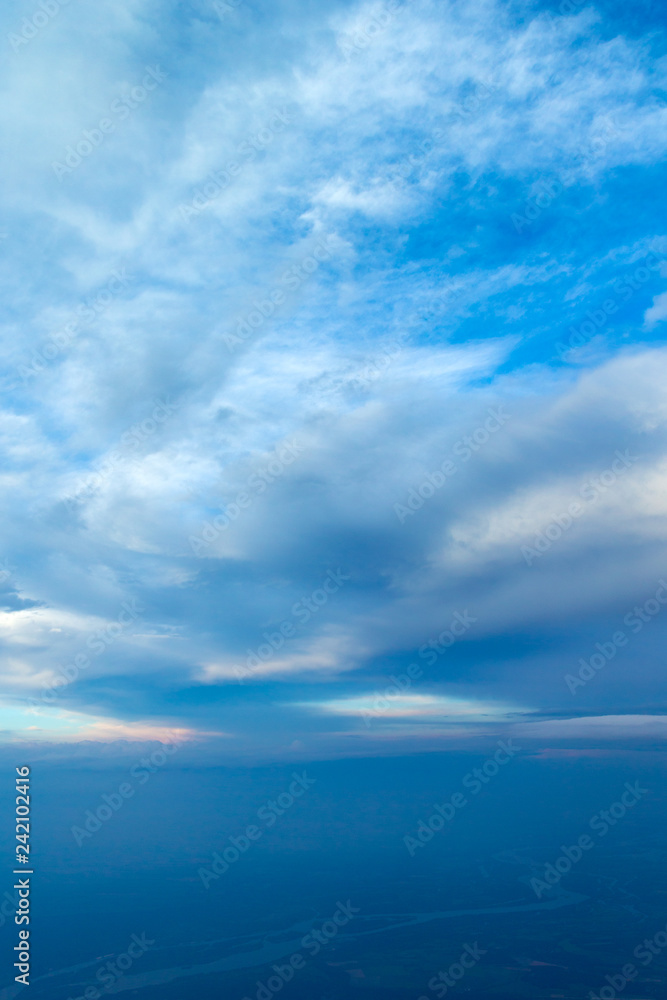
319 248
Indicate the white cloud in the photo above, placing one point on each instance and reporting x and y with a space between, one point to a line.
548 98
657 312
429 707
605 727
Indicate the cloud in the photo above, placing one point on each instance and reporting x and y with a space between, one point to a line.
429 708
404 142
47 725
605 728
657 312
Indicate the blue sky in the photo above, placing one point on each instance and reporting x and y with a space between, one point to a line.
324 325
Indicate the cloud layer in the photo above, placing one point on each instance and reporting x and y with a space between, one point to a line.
325 327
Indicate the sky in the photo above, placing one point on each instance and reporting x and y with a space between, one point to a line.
333 365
